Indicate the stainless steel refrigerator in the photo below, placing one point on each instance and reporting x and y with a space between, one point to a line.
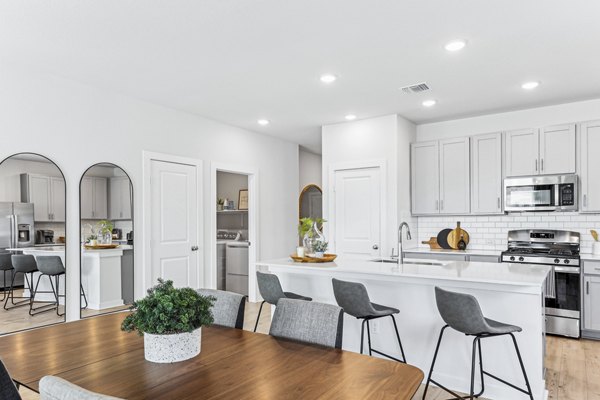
16 229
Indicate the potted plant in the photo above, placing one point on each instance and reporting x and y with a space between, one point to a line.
170 319
596 243
220 204
92 240
105 228
320 247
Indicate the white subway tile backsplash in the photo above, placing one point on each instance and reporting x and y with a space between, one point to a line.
490 232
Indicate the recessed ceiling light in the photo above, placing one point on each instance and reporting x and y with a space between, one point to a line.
455 45
350 117
328 78
263 122
429 103
530 85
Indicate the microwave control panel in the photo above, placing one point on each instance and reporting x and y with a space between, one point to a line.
567 194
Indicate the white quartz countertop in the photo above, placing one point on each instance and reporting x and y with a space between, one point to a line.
61 249
473 252
480 272
589 256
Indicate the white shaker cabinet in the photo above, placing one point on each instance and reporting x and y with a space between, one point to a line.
522 152
120 198
486 174
440 177
425 178
557 149
47 194
545 151
454 176
591 302
590 166
94 201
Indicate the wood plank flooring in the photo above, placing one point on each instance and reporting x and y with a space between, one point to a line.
573 366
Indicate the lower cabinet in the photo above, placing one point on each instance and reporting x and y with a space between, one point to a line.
221 266
591 296
451 257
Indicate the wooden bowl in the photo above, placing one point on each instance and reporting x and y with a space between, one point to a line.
306 259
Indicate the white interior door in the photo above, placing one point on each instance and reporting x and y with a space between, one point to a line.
358 212
174 223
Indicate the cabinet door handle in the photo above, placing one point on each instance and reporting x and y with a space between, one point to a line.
536 165
542 164
498 203
441 204
587 287
436 205
585 200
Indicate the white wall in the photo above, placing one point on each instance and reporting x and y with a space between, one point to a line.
490 232
10 176
311 169
384 138
530 118
77 126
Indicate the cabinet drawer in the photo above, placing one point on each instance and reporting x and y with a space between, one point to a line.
491 259
591 267
436 256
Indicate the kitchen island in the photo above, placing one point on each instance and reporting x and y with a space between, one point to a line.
101 275
511 293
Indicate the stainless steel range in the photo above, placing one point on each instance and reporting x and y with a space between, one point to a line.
560 249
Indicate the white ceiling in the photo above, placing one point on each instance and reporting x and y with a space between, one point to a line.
240 60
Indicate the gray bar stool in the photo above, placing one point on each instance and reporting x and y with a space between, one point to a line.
271 291
462 312
22 264
5 266
52 267
355 301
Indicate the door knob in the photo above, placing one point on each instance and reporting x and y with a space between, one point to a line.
375 247
194 248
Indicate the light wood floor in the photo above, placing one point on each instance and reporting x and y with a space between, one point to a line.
573 366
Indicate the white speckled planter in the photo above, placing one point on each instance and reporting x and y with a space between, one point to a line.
172 348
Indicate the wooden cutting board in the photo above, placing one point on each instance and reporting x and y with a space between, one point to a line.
455 235
442 239
432 242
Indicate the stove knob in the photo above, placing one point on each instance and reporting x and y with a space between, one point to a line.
521 259
512 258
566 261
556 260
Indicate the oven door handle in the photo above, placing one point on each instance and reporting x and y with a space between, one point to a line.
567 270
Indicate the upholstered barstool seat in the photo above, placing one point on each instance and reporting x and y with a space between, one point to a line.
462 313
228 307
354 299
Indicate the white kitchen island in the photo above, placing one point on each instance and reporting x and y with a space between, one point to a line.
511 293
100 275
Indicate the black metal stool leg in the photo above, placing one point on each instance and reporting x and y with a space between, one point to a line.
362 335
369 338
480 369
4 284
57 295
473 356
522 366
435 354
258 317
11 292
399 341
84 297
32 294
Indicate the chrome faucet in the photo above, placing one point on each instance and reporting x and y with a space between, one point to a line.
400 254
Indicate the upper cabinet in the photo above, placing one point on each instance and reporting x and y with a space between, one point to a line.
590 166
486 174
47 194
94 203
544 151
425 177
120 198
440 177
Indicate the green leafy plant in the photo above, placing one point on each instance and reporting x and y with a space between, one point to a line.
169 310
320 246
305 226
105 226
92 237
221 202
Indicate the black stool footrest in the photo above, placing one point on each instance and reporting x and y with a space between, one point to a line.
387 355
505 382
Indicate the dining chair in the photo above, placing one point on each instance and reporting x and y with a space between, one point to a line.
228 308
308 322
8 390
271 291
55 388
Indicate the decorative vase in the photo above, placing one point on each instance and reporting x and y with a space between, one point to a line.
300 251
319 254
106 238
172 348
307 243
318 236
93 242
596 248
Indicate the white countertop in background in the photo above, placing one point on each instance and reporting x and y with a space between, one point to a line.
480 272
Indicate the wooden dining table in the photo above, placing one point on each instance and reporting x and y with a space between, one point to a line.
233 364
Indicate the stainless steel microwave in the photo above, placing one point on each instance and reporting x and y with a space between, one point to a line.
541 193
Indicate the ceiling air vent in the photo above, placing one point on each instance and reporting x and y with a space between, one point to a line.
416 88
